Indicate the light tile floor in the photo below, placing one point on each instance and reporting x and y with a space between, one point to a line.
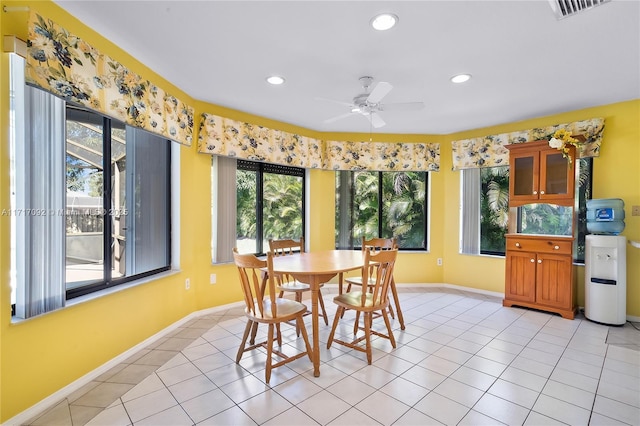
464 359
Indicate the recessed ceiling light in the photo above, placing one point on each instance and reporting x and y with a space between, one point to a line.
384 21
275 80
460 78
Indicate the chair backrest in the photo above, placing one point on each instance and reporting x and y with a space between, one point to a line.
378 244
286 246
252 274
378 271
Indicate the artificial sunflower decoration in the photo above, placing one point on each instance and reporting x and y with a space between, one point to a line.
561 140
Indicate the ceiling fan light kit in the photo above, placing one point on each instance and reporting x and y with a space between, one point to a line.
368 104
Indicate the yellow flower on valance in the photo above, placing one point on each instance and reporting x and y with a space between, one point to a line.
227 137
490 151
67 66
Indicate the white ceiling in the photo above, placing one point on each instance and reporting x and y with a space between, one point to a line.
525 62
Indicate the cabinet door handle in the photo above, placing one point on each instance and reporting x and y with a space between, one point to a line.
556 247
535 192
517 244
539 260
541 192
532 260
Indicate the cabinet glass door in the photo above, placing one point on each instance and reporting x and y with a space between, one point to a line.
556 178
523 176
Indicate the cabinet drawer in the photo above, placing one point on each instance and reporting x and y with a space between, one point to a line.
540 243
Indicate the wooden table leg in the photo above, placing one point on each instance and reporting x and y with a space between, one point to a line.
397 301
315 285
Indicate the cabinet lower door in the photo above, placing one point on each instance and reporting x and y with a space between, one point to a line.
554 281
521 276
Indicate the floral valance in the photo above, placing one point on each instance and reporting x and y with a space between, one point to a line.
231 138
224 136
490 151
69 67
384 156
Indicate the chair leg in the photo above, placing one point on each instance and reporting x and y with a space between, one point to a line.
336 319
254 332
281 294
267 373
391 311
244 340
305 337
299 300
367 334
324 312
388 324
279 335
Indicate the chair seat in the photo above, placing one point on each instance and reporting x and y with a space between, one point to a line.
293 286
358 280
286 309
353 300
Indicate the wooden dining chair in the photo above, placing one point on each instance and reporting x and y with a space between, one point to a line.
263 307
285 282
378 270
375 244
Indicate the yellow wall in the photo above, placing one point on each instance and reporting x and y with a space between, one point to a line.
57 348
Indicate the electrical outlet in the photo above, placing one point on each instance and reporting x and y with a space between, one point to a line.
187 284
212 279
635 210
439 261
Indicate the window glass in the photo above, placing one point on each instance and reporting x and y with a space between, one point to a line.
128 235
381 204
269 205
484 219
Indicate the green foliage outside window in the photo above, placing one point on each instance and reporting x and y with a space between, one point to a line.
382 204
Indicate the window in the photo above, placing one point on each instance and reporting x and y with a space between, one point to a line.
381 204
92 208
128 170
485 211
269 204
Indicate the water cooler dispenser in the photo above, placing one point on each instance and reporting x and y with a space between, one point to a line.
605 263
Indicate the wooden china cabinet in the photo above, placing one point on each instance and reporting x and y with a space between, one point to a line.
539 268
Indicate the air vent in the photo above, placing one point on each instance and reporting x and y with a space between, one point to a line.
564 8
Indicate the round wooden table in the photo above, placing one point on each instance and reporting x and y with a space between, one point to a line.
316 268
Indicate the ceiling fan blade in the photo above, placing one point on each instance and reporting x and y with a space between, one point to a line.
376 120
334 101
402 106
338 117
379 92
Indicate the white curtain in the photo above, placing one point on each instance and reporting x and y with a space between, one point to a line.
40 173
470 212
223 208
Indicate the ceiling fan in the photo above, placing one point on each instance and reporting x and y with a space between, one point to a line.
368 104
